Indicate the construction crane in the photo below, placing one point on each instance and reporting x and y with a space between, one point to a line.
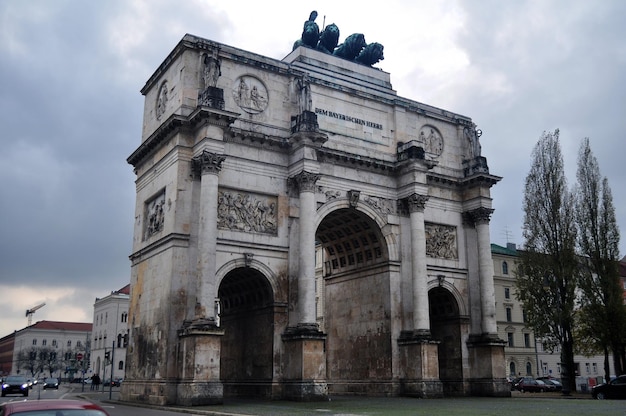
30 312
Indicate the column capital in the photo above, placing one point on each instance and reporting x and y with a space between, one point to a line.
417 202
305 181
207 162
477 216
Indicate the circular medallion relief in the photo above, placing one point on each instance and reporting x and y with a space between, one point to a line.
250 94
161 101
431 140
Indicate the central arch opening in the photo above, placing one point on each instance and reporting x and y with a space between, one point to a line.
445 326
354 303
247 317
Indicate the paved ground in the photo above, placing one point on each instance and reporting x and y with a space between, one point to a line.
522 404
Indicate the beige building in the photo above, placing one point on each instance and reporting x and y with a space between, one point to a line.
69 341
254 175
520 350
110 335
525 355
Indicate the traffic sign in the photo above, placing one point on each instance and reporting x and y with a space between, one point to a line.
79 356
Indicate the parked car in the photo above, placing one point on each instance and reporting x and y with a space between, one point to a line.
40 407
116 382
552 382
529 384
15 384
51 383
615 389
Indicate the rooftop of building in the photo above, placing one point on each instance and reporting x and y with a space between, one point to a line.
509 250
61 326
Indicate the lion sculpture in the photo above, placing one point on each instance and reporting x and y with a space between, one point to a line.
371 54
329 39
310 33
351 47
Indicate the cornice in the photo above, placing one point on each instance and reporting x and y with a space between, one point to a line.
352 160
175 123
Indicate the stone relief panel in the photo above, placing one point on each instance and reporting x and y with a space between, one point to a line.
161 101
382 205
154 215
431 140
246 211
441 241
250 94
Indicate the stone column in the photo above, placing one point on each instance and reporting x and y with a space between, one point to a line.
419 352
209 164
486 350
305 353
306 249
200 340
421 320
481 218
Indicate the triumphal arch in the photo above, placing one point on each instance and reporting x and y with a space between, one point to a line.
301 231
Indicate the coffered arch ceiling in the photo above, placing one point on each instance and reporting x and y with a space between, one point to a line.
350 240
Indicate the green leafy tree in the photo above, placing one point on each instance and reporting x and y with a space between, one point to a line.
547 272
602 317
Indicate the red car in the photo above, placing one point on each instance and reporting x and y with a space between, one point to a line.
57 407
531 385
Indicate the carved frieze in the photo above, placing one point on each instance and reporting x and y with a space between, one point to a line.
247 212
441 241
250 94
382 205
154 215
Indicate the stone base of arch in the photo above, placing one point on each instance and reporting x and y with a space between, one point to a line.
305 364
420 360
200 348
487 363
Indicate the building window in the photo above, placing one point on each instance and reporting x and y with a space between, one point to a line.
595 368
505 267
512 371
120 366
124 317
527 340
509 314
69 343
78 344
524 317
510 338
507 293
35 341
529 368
44 342
54 342
587 368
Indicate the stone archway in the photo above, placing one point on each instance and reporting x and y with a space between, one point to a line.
445 326
357 303
247 318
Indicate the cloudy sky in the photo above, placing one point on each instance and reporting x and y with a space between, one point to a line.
71 110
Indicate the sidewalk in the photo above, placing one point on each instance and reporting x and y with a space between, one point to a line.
522 404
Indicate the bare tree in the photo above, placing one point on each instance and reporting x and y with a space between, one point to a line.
547 274
602 315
